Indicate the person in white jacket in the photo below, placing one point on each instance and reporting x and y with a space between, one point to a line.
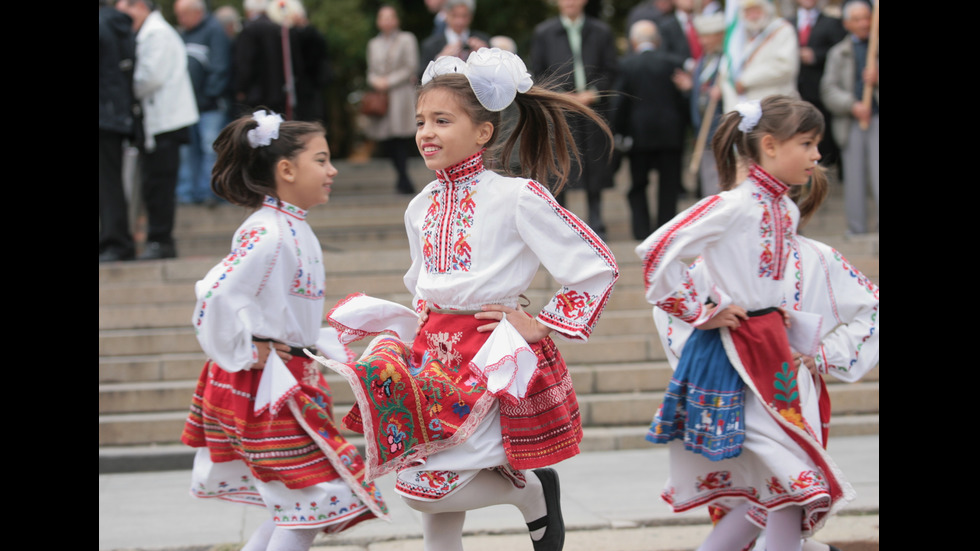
163 87
767 61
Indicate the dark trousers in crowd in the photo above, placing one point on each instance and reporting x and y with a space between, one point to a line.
115 239
667 163
158 171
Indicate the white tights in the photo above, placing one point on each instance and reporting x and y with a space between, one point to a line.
270 537
735 531
442 520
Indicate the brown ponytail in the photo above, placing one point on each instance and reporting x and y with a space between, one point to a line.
547 146
810 196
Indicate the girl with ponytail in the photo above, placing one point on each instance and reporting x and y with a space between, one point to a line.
261 417
732 415
472 402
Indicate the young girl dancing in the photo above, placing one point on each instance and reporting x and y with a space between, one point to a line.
482 395
732 413
822 282
262 413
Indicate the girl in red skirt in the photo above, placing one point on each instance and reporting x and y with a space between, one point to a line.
472 410
262 415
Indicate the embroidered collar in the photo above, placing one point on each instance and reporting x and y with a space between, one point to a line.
463 172
767 182
284 207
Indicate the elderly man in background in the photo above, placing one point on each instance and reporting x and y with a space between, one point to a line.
702 85
163 88
844 80
769 60
651 110
209 65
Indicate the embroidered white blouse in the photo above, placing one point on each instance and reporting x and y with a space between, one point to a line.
269 286
744 235
828 285
478 238
821 281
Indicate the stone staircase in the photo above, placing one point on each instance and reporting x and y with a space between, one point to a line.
149 359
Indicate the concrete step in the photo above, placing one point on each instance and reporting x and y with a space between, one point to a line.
174 456
169 387
600 348
123 427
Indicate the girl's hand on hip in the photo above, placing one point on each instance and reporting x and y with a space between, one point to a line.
787 321
265 347
530 328
423 318
730 317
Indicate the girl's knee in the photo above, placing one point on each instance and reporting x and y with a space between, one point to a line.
430 507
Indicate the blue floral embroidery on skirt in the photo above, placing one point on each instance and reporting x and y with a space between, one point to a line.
705 401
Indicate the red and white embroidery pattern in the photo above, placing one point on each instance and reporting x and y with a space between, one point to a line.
450 216
569 309
777 229
442 346
685 303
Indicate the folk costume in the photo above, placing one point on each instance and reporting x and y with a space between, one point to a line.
456 400
733 414
266 437
822 282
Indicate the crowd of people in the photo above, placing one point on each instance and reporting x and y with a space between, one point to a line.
465 395
677 64
169 92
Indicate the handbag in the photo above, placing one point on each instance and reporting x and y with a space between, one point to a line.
374 103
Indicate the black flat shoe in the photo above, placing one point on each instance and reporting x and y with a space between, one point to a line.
554 535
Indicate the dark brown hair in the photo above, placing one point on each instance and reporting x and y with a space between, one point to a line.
244 175
782 118
546 144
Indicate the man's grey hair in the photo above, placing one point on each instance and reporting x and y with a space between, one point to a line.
470 5
849 8
644 30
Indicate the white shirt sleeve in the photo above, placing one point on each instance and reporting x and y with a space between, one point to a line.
230 298
667 252
848 300
574 255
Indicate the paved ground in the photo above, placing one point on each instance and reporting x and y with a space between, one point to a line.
610 502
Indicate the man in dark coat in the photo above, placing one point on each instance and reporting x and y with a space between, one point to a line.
258 68
579 53
653 112
818 33
117 48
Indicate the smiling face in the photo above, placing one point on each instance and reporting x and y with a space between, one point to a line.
792 161
445 133
305 180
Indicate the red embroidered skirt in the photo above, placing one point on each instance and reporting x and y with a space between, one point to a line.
300 447
414 403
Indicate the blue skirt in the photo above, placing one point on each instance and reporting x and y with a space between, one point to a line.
705 401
